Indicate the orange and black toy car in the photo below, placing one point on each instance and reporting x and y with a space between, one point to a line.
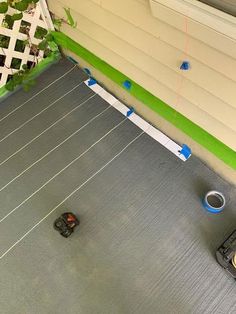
66 223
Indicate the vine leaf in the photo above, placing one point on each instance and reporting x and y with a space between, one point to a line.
24 67
17 16
22 5
70 19
57 23
3 7
43 45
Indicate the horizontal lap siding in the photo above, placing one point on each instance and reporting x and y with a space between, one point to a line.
148 51
199 50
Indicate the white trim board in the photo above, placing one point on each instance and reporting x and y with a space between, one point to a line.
46 15
137 120
200 12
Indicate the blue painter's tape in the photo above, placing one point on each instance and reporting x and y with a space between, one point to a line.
210 209
127 85
72 60
92 81
208 204
185 151
129 112
185 66
86 70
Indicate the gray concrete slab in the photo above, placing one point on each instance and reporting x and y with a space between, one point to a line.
48 141
56 190
145 244
45 119
36 105
48 77
48 167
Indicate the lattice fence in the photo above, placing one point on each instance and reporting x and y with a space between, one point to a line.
20 41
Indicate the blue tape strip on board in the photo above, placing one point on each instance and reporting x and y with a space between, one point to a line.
129 112
185 151
92 81
185 66
72 60
127 85
141 123
86 70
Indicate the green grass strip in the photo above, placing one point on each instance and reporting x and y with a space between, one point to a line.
3 91
38 69
198 134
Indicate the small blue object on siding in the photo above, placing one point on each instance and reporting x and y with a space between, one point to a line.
72 60
92 81
185 66
129 112
86 70
127 84
185 151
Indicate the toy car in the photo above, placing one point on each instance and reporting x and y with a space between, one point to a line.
226 254
65 224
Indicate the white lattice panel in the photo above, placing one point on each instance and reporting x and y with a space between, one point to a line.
38 16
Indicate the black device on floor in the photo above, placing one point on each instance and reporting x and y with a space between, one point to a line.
226 254
65 224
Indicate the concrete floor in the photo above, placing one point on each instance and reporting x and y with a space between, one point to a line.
145 244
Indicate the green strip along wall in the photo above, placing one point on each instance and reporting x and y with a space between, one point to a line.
202 137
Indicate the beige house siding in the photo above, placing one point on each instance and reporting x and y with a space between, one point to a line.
149 50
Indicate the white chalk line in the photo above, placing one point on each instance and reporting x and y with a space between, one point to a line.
71 194
44 131
28 100
52 150
63 169
39 113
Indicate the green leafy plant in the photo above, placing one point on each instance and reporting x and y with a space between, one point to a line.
21 5
17 16
25 27
57 23
47 45
20 45
3 7
43 45
9 20
4 41
20 78
40 32
70 19
15 63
